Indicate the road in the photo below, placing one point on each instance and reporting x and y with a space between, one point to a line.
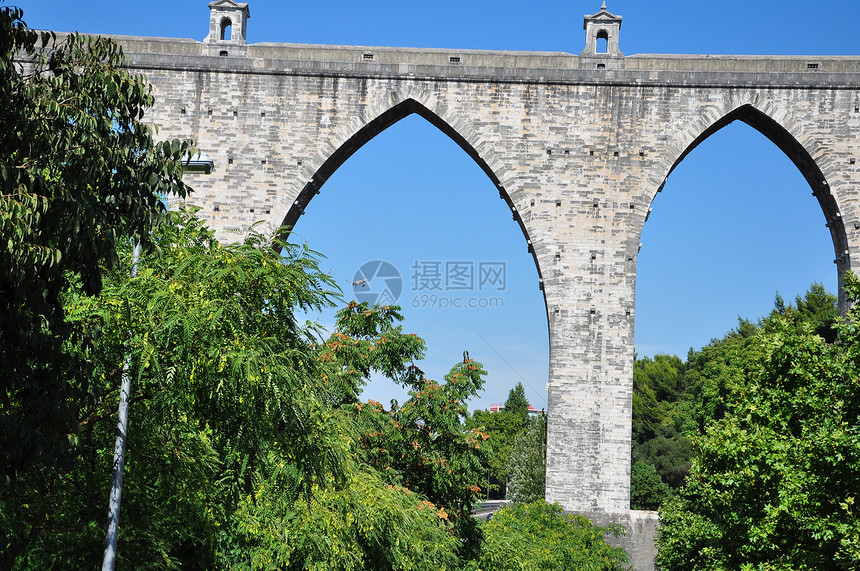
486 509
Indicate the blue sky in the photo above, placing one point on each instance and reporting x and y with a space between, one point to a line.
734 224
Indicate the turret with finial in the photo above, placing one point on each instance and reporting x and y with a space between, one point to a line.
602 26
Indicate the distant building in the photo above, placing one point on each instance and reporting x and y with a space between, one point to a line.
496 407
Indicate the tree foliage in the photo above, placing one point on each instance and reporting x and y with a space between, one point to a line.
79 173
368 340
517 403
422 445
816 309
503 428
674 402
658 383
540 536
527 464
361 523
775 477
660 445
409 487
248 447
223 377
647 490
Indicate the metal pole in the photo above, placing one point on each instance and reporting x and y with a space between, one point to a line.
109 561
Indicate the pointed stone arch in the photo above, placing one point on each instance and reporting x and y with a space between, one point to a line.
461 135
798 149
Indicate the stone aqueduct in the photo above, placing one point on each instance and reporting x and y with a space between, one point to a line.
578 146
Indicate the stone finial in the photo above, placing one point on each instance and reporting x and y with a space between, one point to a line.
228 26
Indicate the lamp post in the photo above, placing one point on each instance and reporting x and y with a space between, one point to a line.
198 163
109 560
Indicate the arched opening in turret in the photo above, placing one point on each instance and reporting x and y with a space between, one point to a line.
733 225
226 29
602 45
407 208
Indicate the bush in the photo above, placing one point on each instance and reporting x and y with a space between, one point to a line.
539 535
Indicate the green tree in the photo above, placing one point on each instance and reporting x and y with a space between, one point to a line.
503 428
79 174
527 465
540 536
670 453
420 451
817 309
424 446
774 480
658 383
366 340
647 490
661 412
224 387
675 401
362 523
517 402
717 371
